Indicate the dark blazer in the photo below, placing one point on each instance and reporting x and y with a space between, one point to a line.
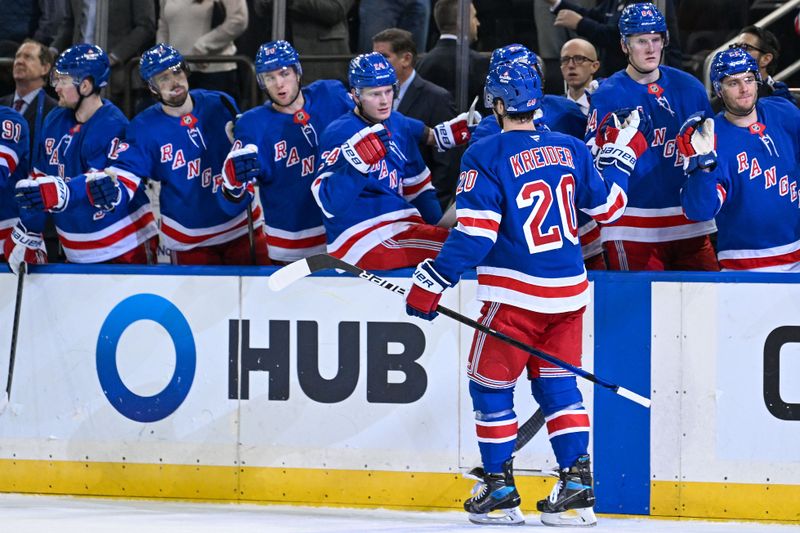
439 66
433 105
31 115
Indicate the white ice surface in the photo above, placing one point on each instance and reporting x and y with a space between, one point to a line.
56 514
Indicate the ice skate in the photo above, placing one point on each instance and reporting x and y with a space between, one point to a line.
571 503
495 499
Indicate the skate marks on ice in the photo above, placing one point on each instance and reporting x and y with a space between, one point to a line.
57 514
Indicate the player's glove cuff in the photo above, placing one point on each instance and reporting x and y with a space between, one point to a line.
621 156
426 290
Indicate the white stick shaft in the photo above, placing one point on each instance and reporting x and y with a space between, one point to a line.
632 396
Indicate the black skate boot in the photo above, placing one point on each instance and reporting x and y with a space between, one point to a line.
495 492
572 500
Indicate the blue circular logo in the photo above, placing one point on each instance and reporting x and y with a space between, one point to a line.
162 312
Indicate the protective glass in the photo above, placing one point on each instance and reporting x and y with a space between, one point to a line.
60 78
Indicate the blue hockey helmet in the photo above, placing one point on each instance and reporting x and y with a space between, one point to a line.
729 62
518 85
642 18
276 55
513 53
371 70
159 58
83 61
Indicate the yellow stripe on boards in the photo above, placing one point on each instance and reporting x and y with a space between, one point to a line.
739 501
347 488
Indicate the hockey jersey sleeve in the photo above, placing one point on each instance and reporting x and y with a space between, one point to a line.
417 184
479 213
703 194
603 196
132 162
337 183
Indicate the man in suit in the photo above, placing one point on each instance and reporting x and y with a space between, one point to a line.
439 65
131 31
418 98
31 70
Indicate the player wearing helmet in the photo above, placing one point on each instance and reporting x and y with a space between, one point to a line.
182 142
741 169
81 137
653 234
516 205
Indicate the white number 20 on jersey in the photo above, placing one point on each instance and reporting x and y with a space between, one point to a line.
539 195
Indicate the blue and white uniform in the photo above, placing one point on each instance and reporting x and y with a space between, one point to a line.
14 165
753 192
654 212
70 149
360 212
559 114
185 154
287 154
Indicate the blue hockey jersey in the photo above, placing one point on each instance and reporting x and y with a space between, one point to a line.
287 151
185 154
516 204
654 211
70 149
558 113
361 211
753 191
14 165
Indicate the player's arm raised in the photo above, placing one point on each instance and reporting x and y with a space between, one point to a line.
703 193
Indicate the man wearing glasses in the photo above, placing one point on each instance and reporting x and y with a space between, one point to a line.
578 66
745 176
765 49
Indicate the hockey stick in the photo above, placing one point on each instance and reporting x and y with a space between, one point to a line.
304 267
14 330
529 429
250 229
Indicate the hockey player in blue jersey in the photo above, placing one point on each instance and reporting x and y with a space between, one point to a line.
517 200
746 175
556 114
79 139
182 143
283 136
653 234
379 208
17 243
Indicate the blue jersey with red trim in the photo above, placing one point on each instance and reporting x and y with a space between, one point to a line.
516 204
654 211
70 149
361 211
14 165
753 192
287 151
185 154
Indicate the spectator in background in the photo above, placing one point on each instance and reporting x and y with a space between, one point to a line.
578 66
317 27
420 99
599 26
18 22
439 65
765 49
53 12
31 71
131 29
550 39
199 28
410 15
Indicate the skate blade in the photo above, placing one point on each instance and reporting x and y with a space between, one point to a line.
572 518
499 517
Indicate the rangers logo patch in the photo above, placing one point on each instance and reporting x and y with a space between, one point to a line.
757 128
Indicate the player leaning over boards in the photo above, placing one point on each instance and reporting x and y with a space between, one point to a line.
653 234
181 142
516 205
749 183
282 136
83 136
379 207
